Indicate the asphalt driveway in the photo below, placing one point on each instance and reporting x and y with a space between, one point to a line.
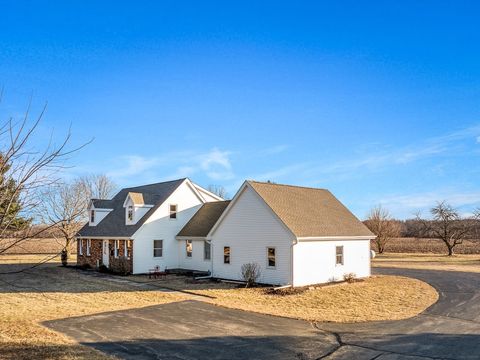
450 329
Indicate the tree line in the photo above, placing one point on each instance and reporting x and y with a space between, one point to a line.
446 224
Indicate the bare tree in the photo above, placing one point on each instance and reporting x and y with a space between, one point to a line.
29 169
380 222
98 186
447 225
218 190
64 206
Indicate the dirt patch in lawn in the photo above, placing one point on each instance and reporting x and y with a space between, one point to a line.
466 263
53 292
374 298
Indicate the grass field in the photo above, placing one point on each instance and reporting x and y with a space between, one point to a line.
459 262
428 246
39 246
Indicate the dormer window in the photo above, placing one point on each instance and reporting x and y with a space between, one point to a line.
92 216
130 213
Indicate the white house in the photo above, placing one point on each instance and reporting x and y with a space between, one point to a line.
140 224
297 235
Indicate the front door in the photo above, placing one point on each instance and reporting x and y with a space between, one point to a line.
105 253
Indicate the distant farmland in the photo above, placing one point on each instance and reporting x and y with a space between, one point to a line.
432 246
40 246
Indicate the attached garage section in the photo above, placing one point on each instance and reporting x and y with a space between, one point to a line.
324 261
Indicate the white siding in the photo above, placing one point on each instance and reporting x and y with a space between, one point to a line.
249 228
160 227
314 261
196 262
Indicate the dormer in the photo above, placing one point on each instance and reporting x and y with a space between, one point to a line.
97 210
135 207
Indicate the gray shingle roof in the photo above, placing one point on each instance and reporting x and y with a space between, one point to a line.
102 203
202 222
113 225
310 212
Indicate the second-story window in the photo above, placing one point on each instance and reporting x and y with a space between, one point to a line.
130 213
173 211
92 216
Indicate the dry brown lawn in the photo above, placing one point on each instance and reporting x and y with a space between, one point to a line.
375 298
52 292
460 262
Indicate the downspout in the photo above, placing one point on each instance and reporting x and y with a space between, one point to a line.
295 242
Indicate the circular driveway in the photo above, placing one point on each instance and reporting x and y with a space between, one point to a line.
450 329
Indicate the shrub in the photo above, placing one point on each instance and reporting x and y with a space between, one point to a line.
350 277
285 291
120 265
250 273
84 266
103 269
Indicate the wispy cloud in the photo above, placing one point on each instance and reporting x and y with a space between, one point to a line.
407 205
385 157
214 163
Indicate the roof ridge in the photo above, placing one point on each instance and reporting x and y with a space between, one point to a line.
288 185
157 183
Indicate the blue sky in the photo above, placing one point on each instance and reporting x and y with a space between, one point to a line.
378 101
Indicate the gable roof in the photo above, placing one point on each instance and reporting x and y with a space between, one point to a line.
114 224
137 198
202 222
310 212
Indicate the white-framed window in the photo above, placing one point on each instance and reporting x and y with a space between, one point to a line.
92 216
157 248
339 255
226 254
116 247
89 243
125 248
80 247
130 213
207 250
188 248
173 211
271 257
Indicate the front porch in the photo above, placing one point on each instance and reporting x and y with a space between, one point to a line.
112 254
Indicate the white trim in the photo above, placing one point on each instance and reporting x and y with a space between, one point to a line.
89 246
321 238
116 248
200 189
195 191
275 257
205 242
174 212
80 247
188 241
153 245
